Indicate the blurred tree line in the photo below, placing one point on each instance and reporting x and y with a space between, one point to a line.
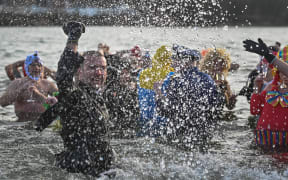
165 12
212 12
205 12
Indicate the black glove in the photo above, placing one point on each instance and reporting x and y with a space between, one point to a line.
259 48
73 30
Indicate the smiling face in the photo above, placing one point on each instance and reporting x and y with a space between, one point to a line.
93 71
35 69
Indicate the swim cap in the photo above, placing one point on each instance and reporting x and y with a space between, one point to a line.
29 60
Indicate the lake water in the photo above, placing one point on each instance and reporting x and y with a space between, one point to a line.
26 154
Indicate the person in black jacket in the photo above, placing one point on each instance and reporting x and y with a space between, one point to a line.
81 108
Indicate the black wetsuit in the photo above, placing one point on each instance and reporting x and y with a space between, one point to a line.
83 117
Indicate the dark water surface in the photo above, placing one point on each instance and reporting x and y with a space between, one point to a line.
26 154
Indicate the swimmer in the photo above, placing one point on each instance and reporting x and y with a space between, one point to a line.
29 93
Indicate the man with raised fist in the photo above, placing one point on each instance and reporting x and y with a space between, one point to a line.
81 108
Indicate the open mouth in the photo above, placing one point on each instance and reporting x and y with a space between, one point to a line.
96 79
35 73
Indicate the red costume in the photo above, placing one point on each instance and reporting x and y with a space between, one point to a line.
272 126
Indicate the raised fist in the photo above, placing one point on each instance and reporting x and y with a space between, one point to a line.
73 30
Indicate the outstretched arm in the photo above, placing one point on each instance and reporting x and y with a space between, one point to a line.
281 66
261 48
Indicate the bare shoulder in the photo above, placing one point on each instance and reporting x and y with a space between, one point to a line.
46 81
16 85
49 84
18 82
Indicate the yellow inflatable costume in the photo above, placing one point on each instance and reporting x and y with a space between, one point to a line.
161 66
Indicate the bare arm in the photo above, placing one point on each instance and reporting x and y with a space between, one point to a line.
231 101
18 64
37 94
9 72
12 70
50 73
281 66
52 88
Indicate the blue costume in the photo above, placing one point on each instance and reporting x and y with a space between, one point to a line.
192 106
150 123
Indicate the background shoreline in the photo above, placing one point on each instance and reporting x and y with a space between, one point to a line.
165 13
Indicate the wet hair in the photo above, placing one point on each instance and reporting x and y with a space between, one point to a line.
93 53
210 59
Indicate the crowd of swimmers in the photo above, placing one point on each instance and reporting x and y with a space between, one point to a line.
178 95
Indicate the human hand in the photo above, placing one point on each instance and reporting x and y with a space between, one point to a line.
259 82
258 48
232 101
51 100
221 83
73 30
33 89
233 98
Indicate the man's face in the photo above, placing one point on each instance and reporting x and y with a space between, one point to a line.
35 69
94 71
